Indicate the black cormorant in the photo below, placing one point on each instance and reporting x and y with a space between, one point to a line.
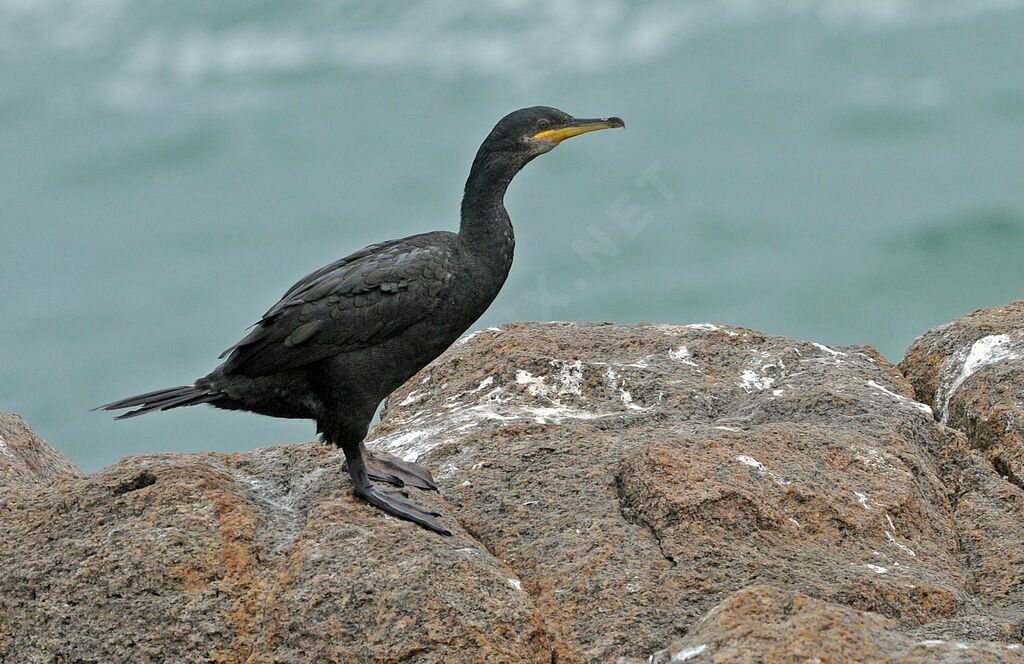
347 335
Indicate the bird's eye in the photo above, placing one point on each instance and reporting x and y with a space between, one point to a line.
543 124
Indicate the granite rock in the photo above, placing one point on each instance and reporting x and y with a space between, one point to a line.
256 557
972 371
664 492
26 459
635 476
762 623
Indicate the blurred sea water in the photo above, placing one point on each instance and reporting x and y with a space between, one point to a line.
846 171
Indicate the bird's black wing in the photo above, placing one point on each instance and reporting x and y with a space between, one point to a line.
358 301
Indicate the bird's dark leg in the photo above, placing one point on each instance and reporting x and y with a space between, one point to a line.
395 471
382 500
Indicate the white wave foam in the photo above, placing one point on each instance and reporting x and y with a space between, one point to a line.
521 39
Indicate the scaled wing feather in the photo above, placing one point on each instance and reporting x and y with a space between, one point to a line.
358 301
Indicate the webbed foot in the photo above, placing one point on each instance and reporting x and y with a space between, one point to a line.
393 504
398 473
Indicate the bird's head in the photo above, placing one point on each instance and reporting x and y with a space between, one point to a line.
517 138
530 132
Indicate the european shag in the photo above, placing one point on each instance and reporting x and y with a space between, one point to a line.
347 335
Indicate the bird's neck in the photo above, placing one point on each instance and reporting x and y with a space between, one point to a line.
486 227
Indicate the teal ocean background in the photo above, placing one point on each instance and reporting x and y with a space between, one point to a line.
845 171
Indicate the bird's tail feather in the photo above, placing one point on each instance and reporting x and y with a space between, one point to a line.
174 397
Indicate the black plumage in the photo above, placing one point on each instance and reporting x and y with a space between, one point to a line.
345 336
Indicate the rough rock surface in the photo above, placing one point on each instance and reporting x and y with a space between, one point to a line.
259 557
26 459
679 492
633 477
765 624
972 371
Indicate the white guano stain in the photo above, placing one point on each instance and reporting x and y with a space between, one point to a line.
761 469
426 429
862 499
709 327
466 339
833 353
473 335
5 450
407 445
667 329
617 385
686 654
682 354
752 462
413 397
899 545
750 381
902 400
968 361
642 363
569 381
675 329
535 385
935 643
570 378
539 414
496 405
484 384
